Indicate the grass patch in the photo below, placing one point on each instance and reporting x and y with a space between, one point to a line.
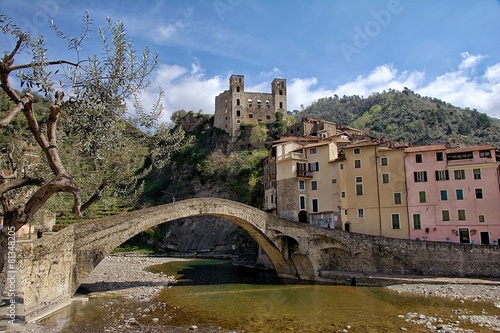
134 248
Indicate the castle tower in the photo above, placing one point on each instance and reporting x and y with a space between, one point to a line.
278 91
236 107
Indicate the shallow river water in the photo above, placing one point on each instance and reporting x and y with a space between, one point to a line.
213 294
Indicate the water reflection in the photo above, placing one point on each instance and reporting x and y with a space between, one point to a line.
214 294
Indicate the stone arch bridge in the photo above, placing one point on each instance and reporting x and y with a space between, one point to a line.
51 268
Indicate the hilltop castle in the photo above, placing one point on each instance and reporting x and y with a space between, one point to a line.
235 107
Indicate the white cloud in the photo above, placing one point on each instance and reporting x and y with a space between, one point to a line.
166 31
492 73
184 88
275 72
302 92
470 61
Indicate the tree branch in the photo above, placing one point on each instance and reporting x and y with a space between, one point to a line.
19 183
97 196
53 117
62 183
49 148
48 63
15 110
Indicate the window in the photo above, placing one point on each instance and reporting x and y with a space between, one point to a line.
356 151
357 164
238 89
418 158
315 205
250 115
359 189
312 151
444 195
302 185
314 185
302 202
420 176
479 193
461 215
417 222
459 174
359 179
459 156
385 178
445 215
343 194
238 101
477 173
422 197
384 161
439 156
395 221
237 113
485 153
460 194
398 198
361 213
481 218
314 166
341 166
442 175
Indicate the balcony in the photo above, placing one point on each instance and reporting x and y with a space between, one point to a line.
304 174
291 156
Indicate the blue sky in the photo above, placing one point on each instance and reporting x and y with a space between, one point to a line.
448 49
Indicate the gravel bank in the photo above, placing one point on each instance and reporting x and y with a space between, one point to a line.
462 291
125 274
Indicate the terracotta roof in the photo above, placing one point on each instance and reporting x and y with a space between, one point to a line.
297 139
469 148
414 149
363 144
317 144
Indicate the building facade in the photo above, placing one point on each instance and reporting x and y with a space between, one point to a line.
373 189
453 193
299 181
236 107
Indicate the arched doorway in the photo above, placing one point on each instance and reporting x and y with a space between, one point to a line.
303 216
347 226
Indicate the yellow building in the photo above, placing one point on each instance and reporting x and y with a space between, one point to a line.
373 189
300 182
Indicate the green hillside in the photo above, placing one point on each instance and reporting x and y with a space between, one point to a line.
408 117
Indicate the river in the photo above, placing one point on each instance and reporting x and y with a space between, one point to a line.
218 297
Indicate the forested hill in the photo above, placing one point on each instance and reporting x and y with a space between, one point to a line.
408 117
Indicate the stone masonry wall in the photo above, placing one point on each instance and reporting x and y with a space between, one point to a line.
45 270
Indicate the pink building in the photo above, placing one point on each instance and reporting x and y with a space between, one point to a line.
453 194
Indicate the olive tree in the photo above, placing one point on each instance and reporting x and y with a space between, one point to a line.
81 134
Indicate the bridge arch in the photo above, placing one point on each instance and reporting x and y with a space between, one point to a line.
94 240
